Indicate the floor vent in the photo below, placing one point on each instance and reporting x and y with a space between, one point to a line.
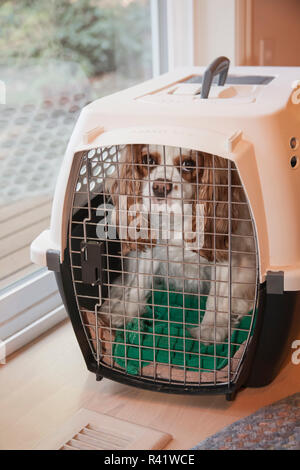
88 430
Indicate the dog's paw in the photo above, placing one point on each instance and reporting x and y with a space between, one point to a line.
112 313
117 313
209 334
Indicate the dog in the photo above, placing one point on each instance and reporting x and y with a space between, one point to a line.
182 216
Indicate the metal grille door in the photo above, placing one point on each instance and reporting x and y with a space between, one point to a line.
164 263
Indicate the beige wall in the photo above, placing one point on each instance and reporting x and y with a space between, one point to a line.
276 32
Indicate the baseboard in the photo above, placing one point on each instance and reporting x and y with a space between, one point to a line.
32 331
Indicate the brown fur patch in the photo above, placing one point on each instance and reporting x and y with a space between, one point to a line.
128 182
214 192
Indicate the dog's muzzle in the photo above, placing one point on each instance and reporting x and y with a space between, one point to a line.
161 188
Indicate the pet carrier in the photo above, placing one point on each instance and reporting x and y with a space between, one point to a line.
174 234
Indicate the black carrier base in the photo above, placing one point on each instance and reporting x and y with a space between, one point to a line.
277 324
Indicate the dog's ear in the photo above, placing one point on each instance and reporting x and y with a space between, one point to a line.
124 186
125 179
213 193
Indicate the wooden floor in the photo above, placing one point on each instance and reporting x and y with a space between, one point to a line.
45 383
20 223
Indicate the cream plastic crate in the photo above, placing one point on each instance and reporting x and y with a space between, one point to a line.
242 132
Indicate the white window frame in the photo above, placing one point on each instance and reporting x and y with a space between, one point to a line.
159 25
181 47
29 308
209 30
169 19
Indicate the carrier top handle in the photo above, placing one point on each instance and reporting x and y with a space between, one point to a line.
219 66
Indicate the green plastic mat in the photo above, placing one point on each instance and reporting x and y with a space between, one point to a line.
170 342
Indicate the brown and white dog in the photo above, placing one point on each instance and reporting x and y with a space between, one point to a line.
202 196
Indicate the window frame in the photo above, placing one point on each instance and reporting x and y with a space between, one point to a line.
29 307
181 16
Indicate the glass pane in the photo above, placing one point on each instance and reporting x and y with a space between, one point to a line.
55 57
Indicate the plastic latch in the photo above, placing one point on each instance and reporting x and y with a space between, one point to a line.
53 260
91 262
275 282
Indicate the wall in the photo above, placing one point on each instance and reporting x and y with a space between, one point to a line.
276 32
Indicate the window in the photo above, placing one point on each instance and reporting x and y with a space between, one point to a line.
55 57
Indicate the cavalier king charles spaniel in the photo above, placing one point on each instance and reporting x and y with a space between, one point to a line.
181 216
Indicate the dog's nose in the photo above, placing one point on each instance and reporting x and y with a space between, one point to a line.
161 188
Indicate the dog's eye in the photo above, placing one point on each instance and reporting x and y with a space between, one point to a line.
148 159
188 165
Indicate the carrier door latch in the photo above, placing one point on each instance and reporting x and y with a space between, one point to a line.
91 262
275 282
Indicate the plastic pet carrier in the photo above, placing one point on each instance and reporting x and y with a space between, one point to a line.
175 229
